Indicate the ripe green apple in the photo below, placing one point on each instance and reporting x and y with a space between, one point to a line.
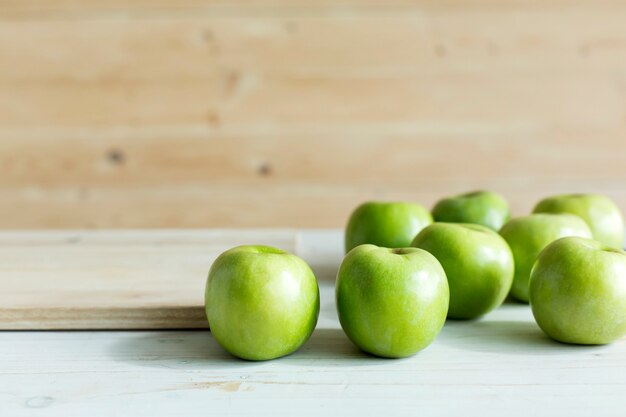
528 235
391 302
478 264
578 291
599 212
261 302
479 207
388 224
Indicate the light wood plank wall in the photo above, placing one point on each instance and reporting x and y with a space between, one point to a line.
266 113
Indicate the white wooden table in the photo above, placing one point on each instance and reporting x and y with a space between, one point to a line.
500 365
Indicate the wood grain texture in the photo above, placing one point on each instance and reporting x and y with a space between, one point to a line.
114 280
268 181
206 113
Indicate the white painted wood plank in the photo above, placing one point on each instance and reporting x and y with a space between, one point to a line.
500 365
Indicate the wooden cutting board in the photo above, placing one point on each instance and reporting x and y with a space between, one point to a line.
114 279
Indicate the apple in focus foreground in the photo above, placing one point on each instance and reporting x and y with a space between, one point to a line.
391 302
261 302
480 207
478 264
388 224
528 235
599 212
578 291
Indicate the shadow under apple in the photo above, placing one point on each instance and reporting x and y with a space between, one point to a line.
506 337
198 350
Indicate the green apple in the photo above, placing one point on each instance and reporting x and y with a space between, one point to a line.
478 264
578 291
391 302
599 212
388 224
261 302
479 207
528 235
